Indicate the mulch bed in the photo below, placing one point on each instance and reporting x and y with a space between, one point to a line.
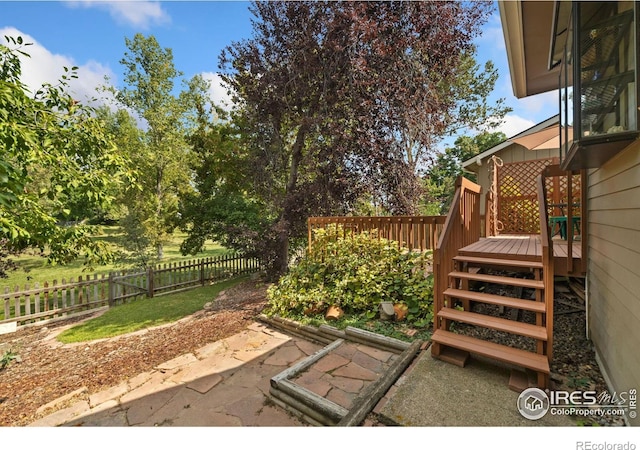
47 370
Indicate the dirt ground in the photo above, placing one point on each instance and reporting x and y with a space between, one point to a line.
47 369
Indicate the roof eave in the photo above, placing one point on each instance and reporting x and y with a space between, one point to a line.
511 18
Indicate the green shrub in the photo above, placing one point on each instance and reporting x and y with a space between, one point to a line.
355 272
6 358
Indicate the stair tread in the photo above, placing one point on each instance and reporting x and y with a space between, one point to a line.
499 261
499 300
519 357
496 323
497 279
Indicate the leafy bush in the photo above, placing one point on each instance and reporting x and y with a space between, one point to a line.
355 272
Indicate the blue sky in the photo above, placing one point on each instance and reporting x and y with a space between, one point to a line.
91 35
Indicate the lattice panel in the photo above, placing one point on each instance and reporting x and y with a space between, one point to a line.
517 196
557 195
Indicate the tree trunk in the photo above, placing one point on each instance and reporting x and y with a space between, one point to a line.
281 262
283 226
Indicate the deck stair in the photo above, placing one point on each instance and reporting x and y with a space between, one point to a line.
466 305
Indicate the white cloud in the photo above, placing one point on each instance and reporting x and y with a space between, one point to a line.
547 101
45 67
218 90
514 124
140 14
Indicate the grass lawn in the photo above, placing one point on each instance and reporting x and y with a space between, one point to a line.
34 268
145 313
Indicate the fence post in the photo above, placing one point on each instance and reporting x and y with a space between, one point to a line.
150 282
7 304
202 271
110 288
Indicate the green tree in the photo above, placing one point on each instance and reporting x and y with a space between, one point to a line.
161 156
52 148
441 177
129 139
219 207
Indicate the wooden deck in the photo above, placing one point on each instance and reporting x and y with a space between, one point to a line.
526 248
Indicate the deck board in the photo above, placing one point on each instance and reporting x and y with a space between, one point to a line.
527 247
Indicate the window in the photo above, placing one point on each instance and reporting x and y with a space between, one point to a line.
596 43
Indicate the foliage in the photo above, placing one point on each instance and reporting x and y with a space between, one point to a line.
6 358
52 149
145 313
160 152
355 272
218 207
441 177
6 265
340 101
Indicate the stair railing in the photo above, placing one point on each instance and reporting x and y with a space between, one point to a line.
547 266
461 228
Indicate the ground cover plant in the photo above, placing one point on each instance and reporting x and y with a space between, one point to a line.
356 272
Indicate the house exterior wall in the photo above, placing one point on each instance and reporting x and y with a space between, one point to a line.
613 274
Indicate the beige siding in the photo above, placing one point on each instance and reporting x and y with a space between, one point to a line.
614 267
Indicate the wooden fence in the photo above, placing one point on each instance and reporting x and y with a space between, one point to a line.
414 232
54 300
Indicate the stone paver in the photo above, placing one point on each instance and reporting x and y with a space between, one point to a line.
345 384
366 361
61 400
108 394
380 355
353 370
340 397
206 383
285 356
227 384
180 361
140 410
63 416
178 401
312 380
247 409
331 362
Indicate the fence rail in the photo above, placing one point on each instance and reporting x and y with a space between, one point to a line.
413 232
53 300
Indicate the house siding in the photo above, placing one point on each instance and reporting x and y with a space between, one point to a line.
613 272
